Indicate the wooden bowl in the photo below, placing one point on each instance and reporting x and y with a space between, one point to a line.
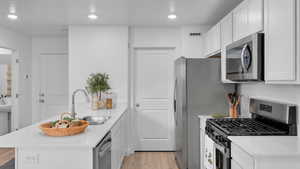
59 132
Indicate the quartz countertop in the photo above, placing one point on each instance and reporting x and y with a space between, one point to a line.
269 146
32 136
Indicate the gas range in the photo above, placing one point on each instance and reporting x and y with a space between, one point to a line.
245 127
268 118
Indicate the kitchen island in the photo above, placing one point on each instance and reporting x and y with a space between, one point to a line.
34 150
265 152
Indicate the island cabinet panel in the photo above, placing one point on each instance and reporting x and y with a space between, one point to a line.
281 62
54 158
119 142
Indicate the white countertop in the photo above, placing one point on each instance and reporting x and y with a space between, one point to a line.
5 108
269 146
32 136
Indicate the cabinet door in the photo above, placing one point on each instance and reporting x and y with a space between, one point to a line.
116 149
247 18
255 16
226 30
280 42
216 38
205 45
235 165
226 26
213 40
240 21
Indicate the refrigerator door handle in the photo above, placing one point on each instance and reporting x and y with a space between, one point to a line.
174 102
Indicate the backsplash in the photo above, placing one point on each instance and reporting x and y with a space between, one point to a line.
283 93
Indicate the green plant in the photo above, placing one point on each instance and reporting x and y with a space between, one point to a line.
97 83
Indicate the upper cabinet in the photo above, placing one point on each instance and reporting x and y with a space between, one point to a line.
278 19
226 25
247 18
281 59
212 41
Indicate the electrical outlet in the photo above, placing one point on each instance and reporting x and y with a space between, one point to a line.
32 159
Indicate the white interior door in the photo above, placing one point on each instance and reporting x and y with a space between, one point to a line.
153 99
53 96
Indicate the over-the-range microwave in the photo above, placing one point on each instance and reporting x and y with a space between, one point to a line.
245 59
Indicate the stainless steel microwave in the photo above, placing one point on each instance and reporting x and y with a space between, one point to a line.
245 59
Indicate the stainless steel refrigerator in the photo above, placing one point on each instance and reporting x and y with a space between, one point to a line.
198 91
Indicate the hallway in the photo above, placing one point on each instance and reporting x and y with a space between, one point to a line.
150 160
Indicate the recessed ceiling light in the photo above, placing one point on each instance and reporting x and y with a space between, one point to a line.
172 16
92 16
12 16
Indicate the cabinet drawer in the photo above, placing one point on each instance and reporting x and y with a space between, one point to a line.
243 158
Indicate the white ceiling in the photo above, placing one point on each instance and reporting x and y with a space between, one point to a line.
53 16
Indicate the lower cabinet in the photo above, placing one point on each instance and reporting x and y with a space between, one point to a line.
119 142
240 158
235 165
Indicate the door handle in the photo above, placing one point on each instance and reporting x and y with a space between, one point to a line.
41 101
137 105
42 94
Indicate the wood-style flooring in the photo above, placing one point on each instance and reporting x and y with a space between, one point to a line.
150 160
6 154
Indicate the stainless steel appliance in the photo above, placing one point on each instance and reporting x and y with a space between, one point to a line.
198 91
245 59
102 154
268 118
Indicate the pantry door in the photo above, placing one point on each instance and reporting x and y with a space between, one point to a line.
153 99
53 95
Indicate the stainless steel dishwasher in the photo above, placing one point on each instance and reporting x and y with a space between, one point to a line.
102 153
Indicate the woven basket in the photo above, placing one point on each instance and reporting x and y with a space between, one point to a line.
59 132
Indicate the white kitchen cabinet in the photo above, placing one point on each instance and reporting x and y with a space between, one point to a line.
240 21
255 16
281 59
213 41
235 165
118 149
247 18
226 29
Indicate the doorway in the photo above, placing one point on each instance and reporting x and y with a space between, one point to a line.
9 95
153 98
53 84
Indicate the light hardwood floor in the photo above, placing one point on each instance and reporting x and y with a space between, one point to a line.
150 160
6 154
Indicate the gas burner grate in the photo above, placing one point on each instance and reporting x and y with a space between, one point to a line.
245 126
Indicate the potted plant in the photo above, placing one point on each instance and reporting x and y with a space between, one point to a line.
97 83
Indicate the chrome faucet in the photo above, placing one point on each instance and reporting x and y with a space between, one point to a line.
73 113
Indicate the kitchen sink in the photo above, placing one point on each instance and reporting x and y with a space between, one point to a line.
96 120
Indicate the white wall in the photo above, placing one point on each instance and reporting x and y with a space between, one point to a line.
193 46
101 49
49 44
283 93
21 43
